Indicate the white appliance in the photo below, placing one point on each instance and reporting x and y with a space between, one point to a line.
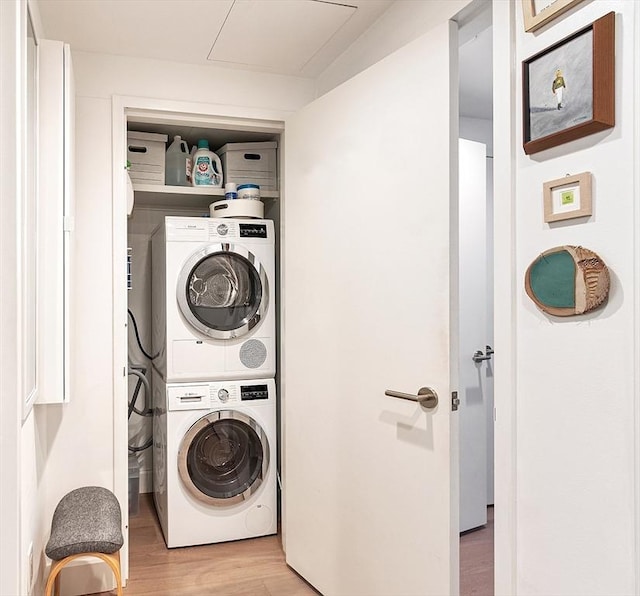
214 459
213 307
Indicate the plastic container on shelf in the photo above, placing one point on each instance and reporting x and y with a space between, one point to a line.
177 163
250 162
145 154
230 191
249 191
207 167
247 208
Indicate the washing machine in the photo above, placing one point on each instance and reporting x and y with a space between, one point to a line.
213 303
214 460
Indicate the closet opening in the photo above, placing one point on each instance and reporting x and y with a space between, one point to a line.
241 436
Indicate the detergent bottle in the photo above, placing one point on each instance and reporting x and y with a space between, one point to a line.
207 167
177 163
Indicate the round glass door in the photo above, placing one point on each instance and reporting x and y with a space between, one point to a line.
223 458
223 291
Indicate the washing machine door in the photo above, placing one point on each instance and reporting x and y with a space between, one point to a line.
223 458
223 291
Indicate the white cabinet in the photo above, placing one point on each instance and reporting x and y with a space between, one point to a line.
55 217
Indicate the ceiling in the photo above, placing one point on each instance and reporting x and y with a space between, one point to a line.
292 37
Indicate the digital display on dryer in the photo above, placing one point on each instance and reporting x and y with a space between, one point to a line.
251 392
253 231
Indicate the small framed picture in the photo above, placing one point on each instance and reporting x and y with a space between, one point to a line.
538 13
567 198
568 89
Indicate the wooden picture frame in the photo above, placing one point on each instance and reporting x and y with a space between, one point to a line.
568 89
536 17
567 198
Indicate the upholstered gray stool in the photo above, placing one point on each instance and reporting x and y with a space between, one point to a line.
87 521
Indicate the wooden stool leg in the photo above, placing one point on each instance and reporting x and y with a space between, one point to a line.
53 581
113 561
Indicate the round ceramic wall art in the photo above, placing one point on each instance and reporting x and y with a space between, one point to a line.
567 280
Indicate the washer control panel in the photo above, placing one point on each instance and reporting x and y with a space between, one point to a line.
204 396
223 394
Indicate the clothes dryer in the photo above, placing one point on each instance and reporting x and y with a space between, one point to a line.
213 302
214 460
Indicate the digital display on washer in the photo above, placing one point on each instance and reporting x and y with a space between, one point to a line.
251 392
253 231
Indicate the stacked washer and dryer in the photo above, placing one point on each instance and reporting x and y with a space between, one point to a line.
214 395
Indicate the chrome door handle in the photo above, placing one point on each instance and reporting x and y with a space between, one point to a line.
478 356
426 397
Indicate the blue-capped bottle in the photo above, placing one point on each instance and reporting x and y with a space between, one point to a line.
207 167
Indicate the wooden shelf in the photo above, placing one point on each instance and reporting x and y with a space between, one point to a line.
184 196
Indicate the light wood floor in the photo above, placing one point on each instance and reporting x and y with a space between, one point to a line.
255 567
476 560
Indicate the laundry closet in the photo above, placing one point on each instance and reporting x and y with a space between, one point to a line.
202 340
364 290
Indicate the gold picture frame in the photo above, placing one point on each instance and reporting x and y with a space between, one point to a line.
567 198
534 18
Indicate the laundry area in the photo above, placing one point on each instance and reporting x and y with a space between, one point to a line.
202 306
236 257
245 327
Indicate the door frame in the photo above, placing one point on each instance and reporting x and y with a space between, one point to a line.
154 110
506 290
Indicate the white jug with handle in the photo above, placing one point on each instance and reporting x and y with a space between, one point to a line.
177 163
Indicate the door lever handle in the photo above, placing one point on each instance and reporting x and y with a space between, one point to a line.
478 356
426 397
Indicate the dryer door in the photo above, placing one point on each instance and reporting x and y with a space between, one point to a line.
223 291
223 458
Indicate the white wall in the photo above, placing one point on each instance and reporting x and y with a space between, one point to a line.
11 18
101 76
402 22
477 129
22 520
575 379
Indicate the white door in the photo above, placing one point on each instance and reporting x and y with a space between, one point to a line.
473 334
370 481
